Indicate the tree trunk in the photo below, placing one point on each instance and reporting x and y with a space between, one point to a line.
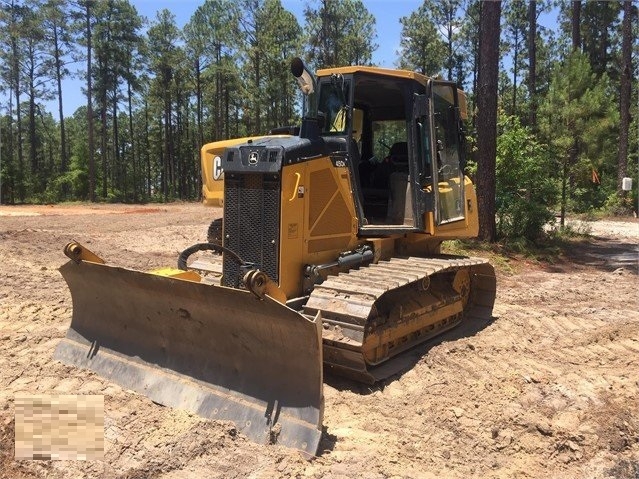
257 96
477 59
624 95
164 189
11 171
575 22
132 139
515 71
103 143
487 118
147 148
37 175
15 80
119 178
564 198
574 151
218 95
33 157
90 107
198 94
168 145
532 63
63 137
227 114
179 157
449 40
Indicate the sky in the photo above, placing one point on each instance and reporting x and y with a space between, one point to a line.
386 12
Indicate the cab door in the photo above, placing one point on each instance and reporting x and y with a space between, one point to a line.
439 156
447 171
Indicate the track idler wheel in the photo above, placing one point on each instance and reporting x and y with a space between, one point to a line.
461 284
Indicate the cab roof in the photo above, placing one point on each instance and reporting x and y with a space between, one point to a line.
387 72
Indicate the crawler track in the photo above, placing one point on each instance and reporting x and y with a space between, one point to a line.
374 313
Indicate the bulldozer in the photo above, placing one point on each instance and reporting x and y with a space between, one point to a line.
328 260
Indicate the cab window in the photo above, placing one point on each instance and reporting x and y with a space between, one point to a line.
447 155
332 108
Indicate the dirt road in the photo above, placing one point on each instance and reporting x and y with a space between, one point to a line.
547 387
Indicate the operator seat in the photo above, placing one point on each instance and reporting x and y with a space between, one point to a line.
399 156
397 160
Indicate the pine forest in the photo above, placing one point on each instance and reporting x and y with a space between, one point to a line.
554 111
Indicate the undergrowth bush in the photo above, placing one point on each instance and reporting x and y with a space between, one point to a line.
525 191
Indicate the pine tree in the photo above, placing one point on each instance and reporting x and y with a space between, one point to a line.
61 49
625 94
165 56
487 118
577 120
515 23
421 47
339 32
212 36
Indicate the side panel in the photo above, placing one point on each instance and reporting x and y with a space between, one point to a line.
466 228
292 229
212 175
331 219
318 218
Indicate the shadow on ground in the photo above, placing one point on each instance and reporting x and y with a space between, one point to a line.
602 253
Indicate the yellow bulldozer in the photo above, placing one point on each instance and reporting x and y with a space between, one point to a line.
328 260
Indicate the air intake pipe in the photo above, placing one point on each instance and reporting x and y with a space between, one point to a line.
306 80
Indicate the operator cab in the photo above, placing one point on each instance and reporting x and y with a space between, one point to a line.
402 134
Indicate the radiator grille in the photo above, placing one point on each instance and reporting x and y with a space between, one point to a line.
251 225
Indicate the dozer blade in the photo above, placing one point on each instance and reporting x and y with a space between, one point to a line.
218 352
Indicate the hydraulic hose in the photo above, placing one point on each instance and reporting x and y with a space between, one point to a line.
184 255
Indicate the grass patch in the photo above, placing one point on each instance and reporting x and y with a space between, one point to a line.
500 259
510 255
579 228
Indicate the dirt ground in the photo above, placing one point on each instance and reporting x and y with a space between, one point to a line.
547 387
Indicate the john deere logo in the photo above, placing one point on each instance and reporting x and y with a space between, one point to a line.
253 158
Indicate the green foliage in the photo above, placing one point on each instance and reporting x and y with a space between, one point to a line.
599 21
212 35
579 120
525 191
446 16
78 181
279 41
339 32
515 26
626 205
421 47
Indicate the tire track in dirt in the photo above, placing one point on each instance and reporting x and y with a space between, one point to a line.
553 364
546 388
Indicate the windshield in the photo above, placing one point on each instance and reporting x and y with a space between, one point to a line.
331 106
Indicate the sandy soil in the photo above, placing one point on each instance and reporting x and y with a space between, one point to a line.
548 387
